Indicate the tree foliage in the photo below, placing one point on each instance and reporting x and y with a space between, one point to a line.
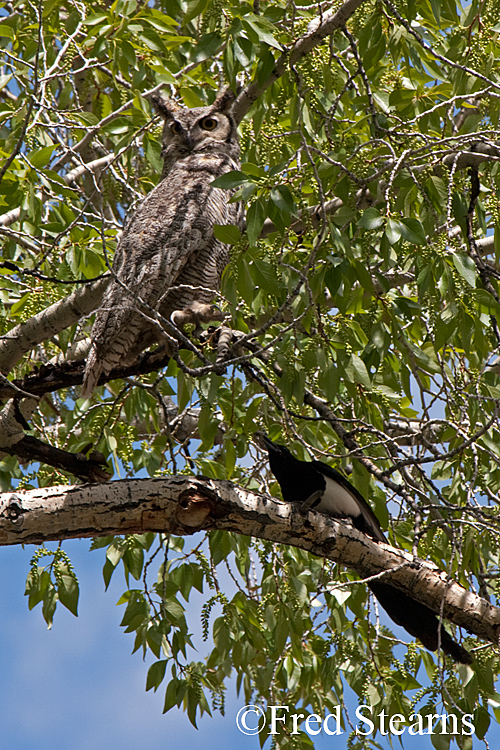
363 301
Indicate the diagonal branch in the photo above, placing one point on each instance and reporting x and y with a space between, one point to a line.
89 469
93 166
49 322
317 31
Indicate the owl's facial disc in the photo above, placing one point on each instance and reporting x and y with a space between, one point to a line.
183 139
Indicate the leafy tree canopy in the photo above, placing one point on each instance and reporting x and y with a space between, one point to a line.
363 301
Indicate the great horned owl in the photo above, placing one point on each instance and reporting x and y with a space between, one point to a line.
168 245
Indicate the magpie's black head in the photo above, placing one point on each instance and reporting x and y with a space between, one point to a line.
279 455
274 448
297 479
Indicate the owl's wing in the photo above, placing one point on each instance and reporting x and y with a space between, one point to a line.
169 232
168 241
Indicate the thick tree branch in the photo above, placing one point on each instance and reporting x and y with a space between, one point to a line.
88 469
50 378
183 505
474 157
317 31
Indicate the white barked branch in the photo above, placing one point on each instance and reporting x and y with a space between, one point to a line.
185 505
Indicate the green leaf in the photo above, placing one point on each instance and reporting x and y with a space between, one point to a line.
208 425
19 306
4 79
255 221
357 373
152 149
243 49
340 594
283 199
329 381
486 300
481 722
437 190
184 390
230 180
220 546
413 231
227 233
444 332
371 219
436 9
207 46
186 580
68 592
134 561
393 230
156 674
36 586
194 8
175 609
258 30
95 19
6 30
49 604
230 458
465 267
107 572
253 170
160 21
174 694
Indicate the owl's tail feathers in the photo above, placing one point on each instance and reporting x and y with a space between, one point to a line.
107 354
93 371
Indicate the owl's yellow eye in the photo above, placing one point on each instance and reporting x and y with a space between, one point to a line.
175 127
208 123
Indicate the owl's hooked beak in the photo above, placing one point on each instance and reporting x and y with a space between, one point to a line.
189 141
187 146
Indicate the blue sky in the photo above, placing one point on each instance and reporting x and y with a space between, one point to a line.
78 685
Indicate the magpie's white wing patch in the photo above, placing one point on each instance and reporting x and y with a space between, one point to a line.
338 501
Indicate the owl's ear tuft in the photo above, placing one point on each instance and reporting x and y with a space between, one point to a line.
164 107
224 100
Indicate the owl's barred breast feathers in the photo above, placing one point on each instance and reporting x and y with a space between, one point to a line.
168 256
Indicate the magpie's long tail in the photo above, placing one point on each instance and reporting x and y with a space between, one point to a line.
418 620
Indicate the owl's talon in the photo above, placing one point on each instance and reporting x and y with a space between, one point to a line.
197 313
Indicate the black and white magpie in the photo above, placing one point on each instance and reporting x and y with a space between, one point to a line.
315 485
